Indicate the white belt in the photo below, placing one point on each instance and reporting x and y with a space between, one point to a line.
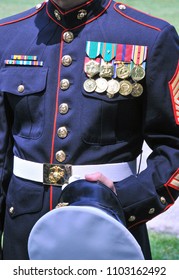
60 174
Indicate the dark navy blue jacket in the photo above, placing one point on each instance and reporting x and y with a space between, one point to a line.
99 129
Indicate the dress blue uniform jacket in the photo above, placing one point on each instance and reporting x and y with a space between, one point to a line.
98 129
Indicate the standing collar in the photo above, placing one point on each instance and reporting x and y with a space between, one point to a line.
79 15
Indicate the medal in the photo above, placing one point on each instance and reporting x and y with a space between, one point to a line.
92 63
125 88
123 60
89 85
137 90
92 67
139 56
137 73
108 52
122 71
113 87
101 85
106 70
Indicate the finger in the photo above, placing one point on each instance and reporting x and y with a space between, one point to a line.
101 178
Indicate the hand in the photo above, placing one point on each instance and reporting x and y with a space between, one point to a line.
101 178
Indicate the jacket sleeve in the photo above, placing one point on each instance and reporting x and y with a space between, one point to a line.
5 157
156 188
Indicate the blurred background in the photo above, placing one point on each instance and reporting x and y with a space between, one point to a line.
164 229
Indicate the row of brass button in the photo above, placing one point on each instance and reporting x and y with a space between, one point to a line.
62 131
150 212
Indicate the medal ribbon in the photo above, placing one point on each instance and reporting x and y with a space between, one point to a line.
108 51
93 49
139 54
124 53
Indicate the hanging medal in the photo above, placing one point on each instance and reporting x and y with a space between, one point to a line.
108 52
138 56
123 60
91 65
113 84
137 89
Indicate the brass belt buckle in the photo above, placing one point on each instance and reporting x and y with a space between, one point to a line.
56 174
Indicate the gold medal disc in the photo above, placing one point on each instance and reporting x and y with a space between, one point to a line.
101 85
89 85
137 90
122 72
137 73
125 88
113 87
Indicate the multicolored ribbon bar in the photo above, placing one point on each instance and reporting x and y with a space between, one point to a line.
23 62
139 54
24 57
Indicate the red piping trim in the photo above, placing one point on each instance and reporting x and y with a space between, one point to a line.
168 206
23 18
56 106
55 120
58 87
137 21
171 93
173 200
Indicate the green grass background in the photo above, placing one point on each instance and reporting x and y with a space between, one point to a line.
164 246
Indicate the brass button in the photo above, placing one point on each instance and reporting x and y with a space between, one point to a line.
11 210
57 15
66 60
20 88
81 14
60 156
63 108
64 84
62 132
152 211
163 200
132 219
122 7
68 37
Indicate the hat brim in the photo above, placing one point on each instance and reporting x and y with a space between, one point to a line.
81 233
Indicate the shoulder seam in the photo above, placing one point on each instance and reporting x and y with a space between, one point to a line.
135 20
23 18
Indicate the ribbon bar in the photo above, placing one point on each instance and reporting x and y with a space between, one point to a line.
24 57
23 62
